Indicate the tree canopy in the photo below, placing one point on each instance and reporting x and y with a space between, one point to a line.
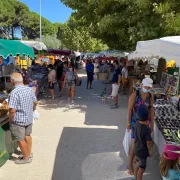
15 17
121 23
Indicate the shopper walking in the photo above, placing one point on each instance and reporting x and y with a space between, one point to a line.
59 73
169 162
142 96
143 142
124 79
22 102
70 80
90 73
115 85
51 80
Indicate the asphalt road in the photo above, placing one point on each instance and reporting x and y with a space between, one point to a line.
79 142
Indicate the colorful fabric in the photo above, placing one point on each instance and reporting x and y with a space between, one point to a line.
138 102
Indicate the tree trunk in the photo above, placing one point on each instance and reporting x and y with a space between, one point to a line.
12 33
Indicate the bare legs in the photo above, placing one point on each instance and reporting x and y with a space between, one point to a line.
115 100
71 92
28 140
26 146
138 172
131 157
52 93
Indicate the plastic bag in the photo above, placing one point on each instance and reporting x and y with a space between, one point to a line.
35 115
127 142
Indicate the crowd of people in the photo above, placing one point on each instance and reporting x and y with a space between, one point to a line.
140 120
64 73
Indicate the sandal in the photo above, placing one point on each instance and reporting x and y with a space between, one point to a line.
129 171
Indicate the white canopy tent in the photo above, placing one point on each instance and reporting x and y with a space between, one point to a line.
167 47
113 53
35 44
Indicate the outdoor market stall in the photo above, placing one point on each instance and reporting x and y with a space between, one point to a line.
10 53
167 123
9 49
166 47
167 116
35 44
37 78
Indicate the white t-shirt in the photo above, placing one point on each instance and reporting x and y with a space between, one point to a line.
125 73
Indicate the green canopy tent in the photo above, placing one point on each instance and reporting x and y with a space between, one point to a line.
14 47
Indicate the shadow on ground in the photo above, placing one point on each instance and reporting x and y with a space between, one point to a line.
94 153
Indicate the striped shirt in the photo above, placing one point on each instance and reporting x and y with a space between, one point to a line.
22 99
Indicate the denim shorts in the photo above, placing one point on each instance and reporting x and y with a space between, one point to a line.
142 162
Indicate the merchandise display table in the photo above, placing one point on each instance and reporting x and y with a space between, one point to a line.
7 145
167 123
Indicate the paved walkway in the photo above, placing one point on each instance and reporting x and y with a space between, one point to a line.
79 142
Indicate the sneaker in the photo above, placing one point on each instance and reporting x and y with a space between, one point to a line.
114 106
69 98
72 101
23 161
21 156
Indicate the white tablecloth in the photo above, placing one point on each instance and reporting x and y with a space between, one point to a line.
158 139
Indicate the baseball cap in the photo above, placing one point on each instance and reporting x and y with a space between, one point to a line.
147 82
170 153
143 112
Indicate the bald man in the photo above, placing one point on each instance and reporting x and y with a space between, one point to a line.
22 103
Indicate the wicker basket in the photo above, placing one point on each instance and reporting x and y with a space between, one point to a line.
3 112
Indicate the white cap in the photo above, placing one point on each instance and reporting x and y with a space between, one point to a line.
147 82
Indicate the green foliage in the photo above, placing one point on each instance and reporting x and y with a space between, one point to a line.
121 23
31 29
51 42
75 36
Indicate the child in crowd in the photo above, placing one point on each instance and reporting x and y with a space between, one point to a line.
143 142
169 163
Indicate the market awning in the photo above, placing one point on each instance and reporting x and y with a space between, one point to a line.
59 52
107 58
35 44
14 47
167 47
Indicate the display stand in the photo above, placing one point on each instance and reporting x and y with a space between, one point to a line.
4 155
7 145
168 85
167 119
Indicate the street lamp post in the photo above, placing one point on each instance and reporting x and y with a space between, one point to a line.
40 23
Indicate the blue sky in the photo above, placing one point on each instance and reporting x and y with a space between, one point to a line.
53 10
